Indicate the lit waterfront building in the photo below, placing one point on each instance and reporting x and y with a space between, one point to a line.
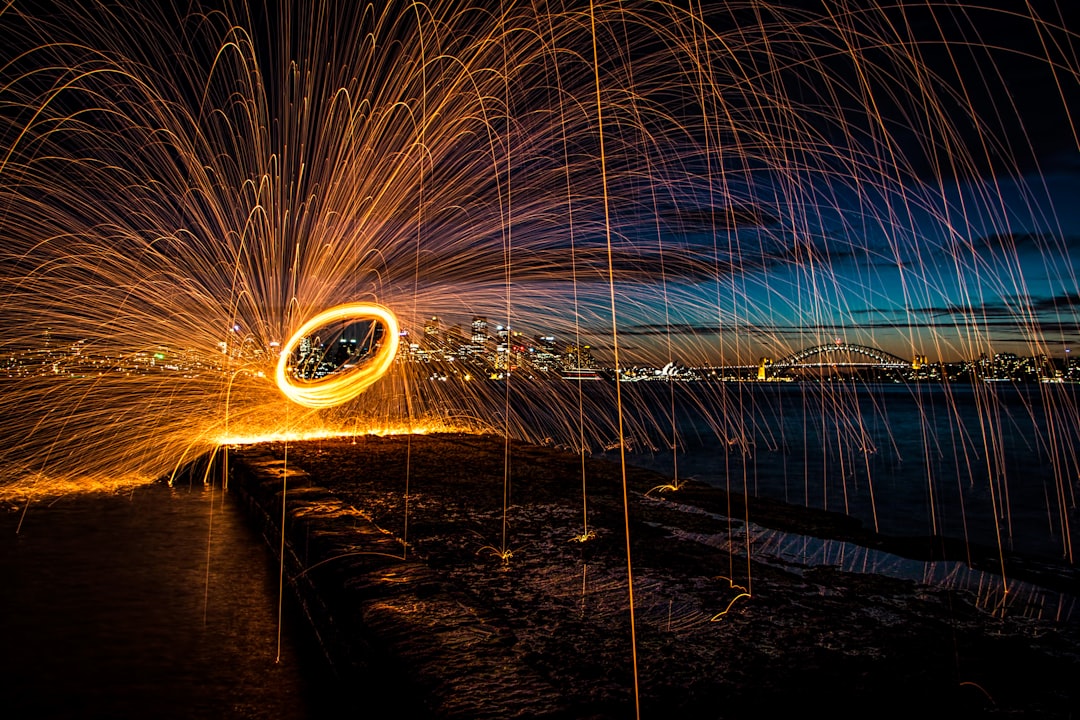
763 368
479 337
543 356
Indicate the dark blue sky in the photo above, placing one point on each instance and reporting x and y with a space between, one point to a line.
922 196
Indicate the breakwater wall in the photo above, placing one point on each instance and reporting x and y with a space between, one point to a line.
504 606
378 615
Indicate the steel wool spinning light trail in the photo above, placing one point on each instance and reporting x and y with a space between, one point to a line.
346 384
525 199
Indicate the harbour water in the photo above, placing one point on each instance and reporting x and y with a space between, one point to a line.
159 603
976 462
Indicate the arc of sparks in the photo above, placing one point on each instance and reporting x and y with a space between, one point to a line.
343 386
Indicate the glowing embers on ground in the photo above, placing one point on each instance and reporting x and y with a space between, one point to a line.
352 429
347 383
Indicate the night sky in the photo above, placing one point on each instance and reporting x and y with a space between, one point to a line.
946 222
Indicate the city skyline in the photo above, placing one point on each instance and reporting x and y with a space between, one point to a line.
478 354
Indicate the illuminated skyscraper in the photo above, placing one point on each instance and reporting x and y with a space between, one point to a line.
479 331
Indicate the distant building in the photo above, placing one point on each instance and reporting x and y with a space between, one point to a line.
479 331
432 330
763 368
579 356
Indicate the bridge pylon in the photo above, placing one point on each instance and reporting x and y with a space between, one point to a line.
762 372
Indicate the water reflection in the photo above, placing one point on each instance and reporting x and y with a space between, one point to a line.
160 603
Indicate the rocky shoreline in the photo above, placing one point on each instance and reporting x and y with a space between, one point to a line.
487 579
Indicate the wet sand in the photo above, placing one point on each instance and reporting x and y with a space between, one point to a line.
457 568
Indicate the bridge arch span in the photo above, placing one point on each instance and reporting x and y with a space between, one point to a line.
882 358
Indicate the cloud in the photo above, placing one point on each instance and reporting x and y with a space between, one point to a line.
1018 241
993 318
721 218
1016 309
1058 303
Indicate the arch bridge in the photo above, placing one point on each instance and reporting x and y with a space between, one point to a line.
875 357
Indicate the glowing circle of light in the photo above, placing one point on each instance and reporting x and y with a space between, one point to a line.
343 386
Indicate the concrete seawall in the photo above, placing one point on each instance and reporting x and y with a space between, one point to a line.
392 620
